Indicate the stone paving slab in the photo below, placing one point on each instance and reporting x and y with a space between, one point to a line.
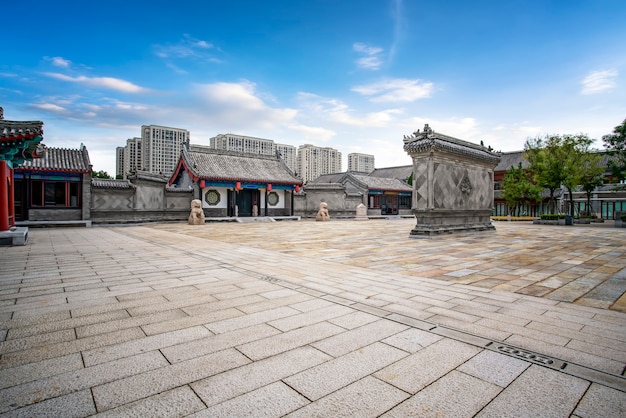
289 318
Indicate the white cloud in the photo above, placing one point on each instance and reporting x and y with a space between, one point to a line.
49 107
599 81
188 47
312 133
334 110
371 59
396 90
60 62
101 82
239 105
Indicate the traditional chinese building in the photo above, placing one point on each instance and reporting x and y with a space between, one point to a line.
381 195
19 142
234 184
56 187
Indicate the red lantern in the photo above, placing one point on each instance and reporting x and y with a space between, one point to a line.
297 189
238 185
269 187
202 184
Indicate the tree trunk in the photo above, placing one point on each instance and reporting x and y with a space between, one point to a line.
571 201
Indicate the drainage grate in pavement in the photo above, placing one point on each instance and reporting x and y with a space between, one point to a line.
530 356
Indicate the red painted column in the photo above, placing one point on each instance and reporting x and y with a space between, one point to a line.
4 196
11 198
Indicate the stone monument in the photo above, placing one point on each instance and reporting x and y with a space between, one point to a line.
322 214
196 217
361 213
452 184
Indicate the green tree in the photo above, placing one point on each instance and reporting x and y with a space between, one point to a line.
592 177
100 174
519 189
546 155
576 152
616 146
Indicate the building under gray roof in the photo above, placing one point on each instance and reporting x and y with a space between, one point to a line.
511 159
61 159
204 163
363 181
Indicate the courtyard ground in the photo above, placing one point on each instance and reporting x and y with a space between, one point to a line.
340 318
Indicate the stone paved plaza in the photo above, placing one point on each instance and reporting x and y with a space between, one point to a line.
308 319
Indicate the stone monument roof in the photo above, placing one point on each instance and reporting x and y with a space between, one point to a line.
429 140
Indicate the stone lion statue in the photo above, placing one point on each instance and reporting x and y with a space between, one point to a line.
322 214
196 217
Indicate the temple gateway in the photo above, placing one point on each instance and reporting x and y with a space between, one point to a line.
452 184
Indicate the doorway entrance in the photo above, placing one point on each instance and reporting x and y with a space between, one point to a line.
246 200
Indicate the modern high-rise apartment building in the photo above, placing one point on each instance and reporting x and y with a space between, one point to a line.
132 156
161 147
253 145
363 163
314 161
288 153
119 161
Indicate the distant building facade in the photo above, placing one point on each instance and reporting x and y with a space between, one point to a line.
289 154
119 161
252 145
132 157
161 147
313 162
363 163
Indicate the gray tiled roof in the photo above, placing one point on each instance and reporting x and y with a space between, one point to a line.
223 165
12 130
420 142
99 183
329 178
511 159
401 173
382 183
61 159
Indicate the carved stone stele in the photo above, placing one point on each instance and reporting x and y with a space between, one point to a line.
452 184
361 213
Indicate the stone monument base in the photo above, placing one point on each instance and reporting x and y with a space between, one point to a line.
14 236
436 222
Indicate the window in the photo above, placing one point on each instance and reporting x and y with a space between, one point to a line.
55 193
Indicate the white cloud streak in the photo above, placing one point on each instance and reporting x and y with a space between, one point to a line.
396 90
101 82
371 59
60 62
599 81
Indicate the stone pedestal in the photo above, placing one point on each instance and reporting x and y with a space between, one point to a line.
14 236
361 213
452 184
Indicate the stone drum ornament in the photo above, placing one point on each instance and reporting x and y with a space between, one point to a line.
196 217
452 184
322 214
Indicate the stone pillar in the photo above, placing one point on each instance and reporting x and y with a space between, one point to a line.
452 184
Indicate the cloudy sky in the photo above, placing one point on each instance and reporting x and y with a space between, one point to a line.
355 75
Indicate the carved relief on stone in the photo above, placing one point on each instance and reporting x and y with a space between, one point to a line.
466 186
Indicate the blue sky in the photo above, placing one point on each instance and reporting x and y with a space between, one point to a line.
355 75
